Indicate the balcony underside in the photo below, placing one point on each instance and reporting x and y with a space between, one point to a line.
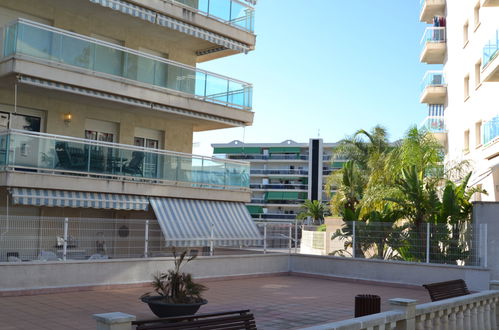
434 53
432 8
491 72
207 112
491 150
434 95
133 186
489 3
441 137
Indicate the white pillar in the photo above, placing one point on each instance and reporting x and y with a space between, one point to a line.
114 321
65 243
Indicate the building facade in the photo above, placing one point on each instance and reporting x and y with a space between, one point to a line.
283 175
99 100
461 89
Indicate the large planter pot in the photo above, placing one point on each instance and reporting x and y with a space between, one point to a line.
162 308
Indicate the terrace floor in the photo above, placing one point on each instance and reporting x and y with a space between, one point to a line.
278 302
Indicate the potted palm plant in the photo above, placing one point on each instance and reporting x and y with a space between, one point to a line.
177 293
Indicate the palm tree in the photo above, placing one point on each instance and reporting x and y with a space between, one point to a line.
315 210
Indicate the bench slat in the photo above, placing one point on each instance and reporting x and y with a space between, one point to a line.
448 289
234 320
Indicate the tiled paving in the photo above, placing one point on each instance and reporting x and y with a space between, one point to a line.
278 302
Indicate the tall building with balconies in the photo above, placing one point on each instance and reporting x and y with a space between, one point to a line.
283 175
99 100
461 89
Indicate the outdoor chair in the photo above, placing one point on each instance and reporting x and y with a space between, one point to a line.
69 158
446 290
134 166
48 256
98 256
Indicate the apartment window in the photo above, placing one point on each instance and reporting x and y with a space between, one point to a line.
477 15
478 70
466 147
478 134
466 29
466 87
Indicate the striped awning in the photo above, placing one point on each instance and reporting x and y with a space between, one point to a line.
171 23
28 80
187 222
64 198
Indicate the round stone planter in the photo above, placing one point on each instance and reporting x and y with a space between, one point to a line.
164 309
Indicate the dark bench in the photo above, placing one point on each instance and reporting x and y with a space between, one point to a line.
446 290
241 319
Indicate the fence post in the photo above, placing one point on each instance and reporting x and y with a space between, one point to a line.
290 238
114 321
407 306
264 238
211 239
353 239
428 243
296 235
483 243
146 240
65 242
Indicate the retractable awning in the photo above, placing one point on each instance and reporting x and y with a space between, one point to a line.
77 199
188 222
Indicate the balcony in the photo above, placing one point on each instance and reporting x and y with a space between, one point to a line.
489 3
91 63
39 153
433 88
232 12
297 172
289 186
430 9
434 45
436 126
490 63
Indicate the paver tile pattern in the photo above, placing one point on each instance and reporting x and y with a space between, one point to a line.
278 302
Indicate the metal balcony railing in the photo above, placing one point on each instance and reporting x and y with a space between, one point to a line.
433 79
433 124
232 12
62 155
490 130
278 171
491 49
51 44
297 186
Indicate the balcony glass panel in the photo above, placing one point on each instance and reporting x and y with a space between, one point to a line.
48 43
433 79
433 34
434 124
232 12
490 130
29 151
491 49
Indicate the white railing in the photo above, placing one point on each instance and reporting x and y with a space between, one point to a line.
475 311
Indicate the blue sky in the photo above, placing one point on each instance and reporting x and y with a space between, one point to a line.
329 65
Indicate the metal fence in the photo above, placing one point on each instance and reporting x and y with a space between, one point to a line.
26 238
429 243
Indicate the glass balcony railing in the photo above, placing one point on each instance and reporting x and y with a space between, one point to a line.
51 44
297 186
434 124
278 171
53 154
433 79
433 34
490 130
491 50
232 12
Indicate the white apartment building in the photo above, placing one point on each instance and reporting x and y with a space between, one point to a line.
283 175
461 87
